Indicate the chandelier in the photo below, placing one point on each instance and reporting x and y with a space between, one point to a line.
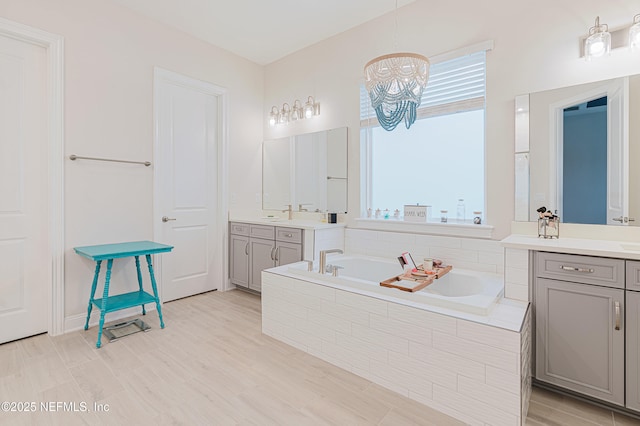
395 84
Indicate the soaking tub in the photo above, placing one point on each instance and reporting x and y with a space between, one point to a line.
467 291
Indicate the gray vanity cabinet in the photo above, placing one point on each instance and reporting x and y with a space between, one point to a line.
254 248
633 352
261 257
580 337
239 254
239 266
633 335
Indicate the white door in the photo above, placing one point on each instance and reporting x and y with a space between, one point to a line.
618 153
187 127
25 266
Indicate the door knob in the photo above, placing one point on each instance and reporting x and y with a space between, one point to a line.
167 219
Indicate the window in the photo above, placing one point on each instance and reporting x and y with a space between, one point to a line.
440 159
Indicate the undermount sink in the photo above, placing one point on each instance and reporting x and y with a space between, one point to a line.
631 247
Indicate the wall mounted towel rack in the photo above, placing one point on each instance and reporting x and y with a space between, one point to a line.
74 157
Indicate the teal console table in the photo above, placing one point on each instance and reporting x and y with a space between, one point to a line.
109 252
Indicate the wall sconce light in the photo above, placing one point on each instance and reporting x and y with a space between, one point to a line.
601 41
311 108
283 118
273 116
293 113
296 110
598 43
634 34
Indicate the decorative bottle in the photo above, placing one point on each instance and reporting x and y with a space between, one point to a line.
460 210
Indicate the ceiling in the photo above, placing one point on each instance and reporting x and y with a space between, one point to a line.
263 31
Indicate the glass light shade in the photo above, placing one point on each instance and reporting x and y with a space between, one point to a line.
395 84
283 117
598 43
273 116
296 111
634 34
309 108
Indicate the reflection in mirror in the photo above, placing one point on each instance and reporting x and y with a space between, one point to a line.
581 142
308 171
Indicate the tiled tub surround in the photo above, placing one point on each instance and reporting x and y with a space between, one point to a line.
470 370
464 253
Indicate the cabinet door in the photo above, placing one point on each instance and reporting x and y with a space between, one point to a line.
633 351
239 260
262 256
580 338
288 253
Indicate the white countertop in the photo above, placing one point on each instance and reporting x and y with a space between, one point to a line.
295 223
602 248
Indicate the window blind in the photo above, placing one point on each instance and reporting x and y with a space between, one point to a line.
455 85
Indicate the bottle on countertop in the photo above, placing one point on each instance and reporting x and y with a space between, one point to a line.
460 213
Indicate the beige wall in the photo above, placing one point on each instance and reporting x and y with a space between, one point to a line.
110 53
536 48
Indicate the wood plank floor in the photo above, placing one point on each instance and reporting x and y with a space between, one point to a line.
212 365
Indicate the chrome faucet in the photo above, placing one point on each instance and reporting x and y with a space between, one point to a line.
300 209
290 210
323 258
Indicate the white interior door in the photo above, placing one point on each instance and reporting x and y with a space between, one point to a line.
618 153
187 127
25 266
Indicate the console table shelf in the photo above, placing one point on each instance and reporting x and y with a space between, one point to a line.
126 300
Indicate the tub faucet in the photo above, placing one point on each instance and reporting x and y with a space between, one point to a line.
323 258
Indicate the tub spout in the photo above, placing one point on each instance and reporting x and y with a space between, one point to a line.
323 258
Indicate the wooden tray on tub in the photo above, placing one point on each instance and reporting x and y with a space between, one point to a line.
415 281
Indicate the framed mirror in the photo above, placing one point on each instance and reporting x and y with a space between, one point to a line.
308 171
573 149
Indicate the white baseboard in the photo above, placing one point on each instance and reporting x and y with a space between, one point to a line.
76 322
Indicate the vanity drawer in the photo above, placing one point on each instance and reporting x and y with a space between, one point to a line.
290 235
239 228
262 231
600 271
633 275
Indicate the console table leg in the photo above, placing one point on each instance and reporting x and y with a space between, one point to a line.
144 312
105 296
93 292
155 290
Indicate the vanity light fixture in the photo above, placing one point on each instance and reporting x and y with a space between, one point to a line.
296 110
283 118
311 108
293 113
273 116
598 43
634 34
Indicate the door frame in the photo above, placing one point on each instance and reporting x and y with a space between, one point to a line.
160 74
54 45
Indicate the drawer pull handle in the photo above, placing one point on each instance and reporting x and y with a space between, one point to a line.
617 308
288 235
574 269
246 249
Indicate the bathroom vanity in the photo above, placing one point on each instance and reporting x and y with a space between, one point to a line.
586 296
256 245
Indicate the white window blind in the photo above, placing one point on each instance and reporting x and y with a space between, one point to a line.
455 85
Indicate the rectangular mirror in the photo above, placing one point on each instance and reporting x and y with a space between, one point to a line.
308 170
581 142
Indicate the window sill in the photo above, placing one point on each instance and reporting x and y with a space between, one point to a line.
450 229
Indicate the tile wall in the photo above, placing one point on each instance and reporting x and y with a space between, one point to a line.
467 370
